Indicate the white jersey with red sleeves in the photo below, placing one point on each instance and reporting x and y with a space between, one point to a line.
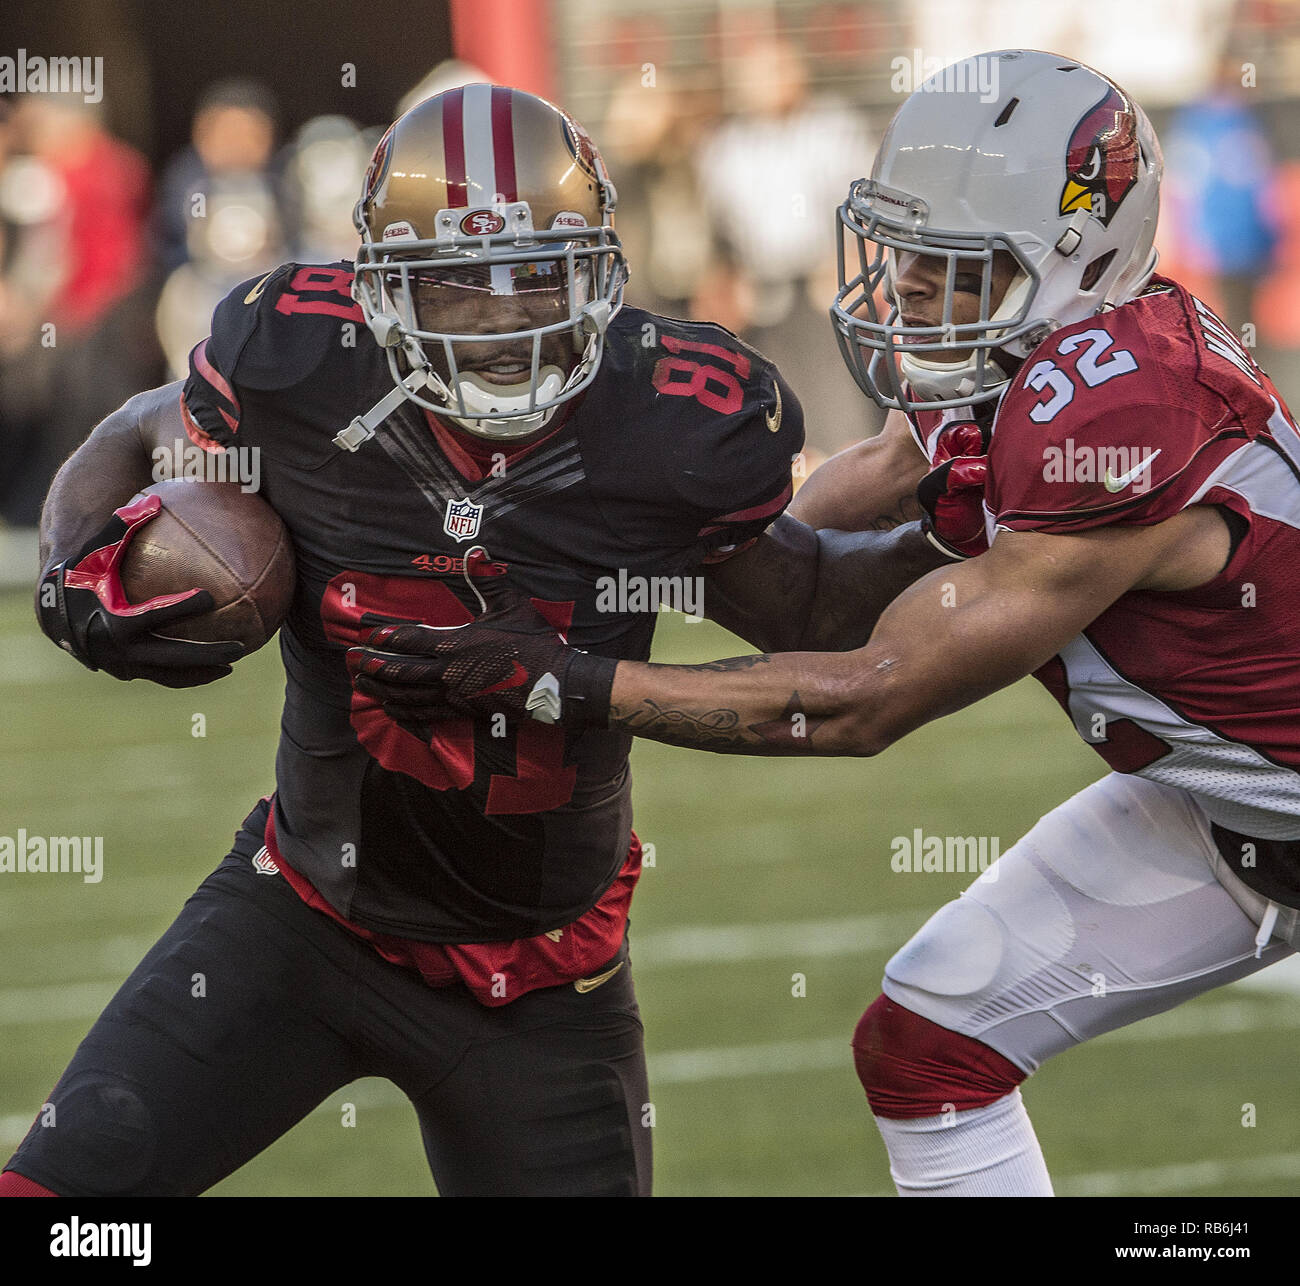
1128 418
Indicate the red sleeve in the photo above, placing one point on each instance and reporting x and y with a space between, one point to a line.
1138 467
1107 422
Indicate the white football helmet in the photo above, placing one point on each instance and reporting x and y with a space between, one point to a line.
1061 170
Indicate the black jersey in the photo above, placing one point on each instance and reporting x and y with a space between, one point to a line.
680 448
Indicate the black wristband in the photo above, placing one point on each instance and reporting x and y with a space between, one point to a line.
588 683
52 613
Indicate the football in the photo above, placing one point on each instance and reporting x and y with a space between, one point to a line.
214 536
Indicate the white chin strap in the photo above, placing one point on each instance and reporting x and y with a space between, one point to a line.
943 380
511 400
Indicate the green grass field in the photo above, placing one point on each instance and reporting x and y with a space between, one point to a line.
764 869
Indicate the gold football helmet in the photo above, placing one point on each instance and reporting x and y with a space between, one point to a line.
488 258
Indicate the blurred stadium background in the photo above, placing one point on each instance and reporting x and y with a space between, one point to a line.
770 879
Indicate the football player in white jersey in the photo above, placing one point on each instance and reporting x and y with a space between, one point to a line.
1120 486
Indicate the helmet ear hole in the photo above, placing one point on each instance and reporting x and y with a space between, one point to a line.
1092 273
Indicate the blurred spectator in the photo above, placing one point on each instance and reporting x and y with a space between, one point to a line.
223 213
71 339
105 188
329 159
772 178
232 140
1219 195
649 134
31 248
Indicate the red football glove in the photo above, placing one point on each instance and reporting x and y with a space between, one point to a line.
81 606
952 493
508 661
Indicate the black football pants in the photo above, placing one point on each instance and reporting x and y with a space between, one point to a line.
253 1008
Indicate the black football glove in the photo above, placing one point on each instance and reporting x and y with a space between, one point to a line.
952 493
81 605
507 661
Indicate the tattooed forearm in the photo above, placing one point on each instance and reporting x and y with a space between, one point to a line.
707 729
730 664
885 523
908 510
718 729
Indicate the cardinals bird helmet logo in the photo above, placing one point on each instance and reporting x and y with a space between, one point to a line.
1101 160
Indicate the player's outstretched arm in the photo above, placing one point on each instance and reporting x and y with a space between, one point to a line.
86 525
956 636
797 589
870 486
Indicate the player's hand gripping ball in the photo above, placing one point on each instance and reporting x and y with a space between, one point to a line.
179 584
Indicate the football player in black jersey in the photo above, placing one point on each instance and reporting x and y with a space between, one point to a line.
442 903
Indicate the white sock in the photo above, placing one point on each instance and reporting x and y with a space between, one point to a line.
983 1152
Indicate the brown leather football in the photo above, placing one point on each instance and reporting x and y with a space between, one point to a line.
213 536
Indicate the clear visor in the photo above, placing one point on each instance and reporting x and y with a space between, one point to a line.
866 312
565 283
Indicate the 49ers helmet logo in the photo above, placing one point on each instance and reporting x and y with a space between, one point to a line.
583 149
377 171
482 223
1101 159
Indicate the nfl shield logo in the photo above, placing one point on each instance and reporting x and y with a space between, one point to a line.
463 519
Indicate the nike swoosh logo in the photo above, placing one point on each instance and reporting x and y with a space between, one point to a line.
256 292
590 984
517 677
774 417
1114 484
